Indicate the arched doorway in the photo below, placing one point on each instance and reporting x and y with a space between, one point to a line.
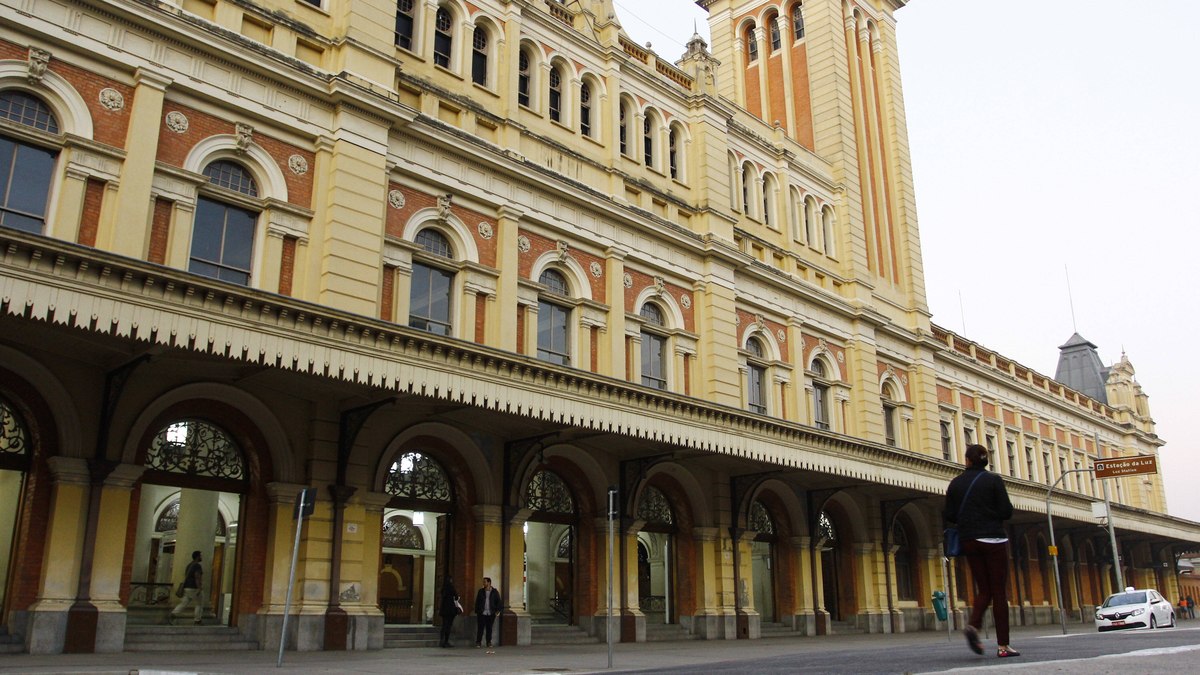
763 562
190 500
15 453
656 557
827 538
550 535
417 536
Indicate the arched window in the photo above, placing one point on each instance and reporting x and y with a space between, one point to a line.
809 214
827 223
404 24
523 78
25 170
553 337
623 126
443 37
648 140
556 94
798 21
196 448
654 347
888 396
653 507
825 529
776 41
223 231
760 519
415 476
751 45
756 376
747 187
673 152
585 109
820 394
400 532
548 493
769 200
14 439
429 301
479 56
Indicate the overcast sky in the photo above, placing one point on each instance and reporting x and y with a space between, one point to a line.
1051 141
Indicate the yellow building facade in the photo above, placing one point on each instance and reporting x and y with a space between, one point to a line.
467 269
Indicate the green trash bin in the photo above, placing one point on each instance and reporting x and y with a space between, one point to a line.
939 605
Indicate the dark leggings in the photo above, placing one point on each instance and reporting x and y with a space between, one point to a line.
989 570
447 624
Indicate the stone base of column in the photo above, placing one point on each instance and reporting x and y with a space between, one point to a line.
715 625
804 622
749 625
305 631
353 629
633 626
823 622
516 628
874 621
46 627
598 626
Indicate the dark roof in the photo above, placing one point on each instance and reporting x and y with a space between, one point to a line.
1079 368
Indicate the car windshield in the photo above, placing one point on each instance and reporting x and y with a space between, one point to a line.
1125 599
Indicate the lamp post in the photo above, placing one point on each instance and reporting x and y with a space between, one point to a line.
1062 617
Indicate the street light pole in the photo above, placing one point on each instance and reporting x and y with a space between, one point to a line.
1062 616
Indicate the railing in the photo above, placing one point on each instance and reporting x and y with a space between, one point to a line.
653 603
635 51
674 74
561 605
559 12
396 610
145 594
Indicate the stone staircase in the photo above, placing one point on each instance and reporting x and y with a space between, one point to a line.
186 638
769 629
844 628
560 634
407 637
667 632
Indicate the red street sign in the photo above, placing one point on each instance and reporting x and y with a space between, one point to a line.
1126 466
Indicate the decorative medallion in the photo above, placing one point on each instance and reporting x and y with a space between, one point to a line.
841 357
523 244
177 121
904 380
685 300
112 99
298 165
485 230
737 319
396 199
627 280
781 334
596 269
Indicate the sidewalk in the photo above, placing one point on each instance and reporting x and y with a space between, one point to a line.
592 658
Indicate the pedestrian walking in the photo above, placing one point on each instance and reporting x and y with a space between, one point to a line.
192 584
977 502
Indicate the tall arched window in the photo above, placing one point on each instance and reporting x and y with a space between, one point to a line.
654 347
673 151
888 397
769 200
820 394
585 109
906 567
827 223
756 376
751 45
443 37
556 94
26 170
798 21
223 232
524 77
429 301
747 188
553 337
648 140
405 21
776 40
479 56
623 127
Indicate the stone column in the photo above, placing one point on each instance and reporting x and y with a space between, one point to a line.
749 621
281 533
516 625
502 307
109 556
612 354
128 232
47 625
804 617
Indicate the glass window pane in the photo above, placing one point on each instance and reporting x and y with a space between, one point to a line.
8 152
31 180
239 238
207 230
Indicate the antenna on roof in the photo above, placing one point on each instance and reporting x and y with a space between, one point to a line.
1070 298
962 314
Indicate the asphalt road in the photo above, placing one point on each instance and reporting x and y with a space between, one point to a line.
1127 652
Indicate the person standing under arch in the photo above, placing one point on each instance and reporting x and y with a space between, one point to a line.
193 582
450 608
977 502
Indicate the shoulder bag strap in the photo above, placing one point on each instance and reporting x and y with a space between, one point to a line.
968 494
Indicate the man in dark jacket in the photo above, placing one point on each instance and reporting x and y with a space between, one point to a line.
487 606
977 502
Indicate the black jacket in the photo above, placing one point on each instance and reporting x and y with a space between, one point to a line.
495 606
449 595
986 508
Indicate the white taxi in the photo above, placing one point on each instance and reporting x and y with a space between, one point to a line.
1135 608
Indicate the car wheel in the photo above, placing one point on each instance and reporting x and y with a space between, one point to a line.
1172 624
1153 622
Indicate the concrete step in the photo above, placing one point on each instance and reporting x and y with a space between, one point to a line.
397 637
667 632
560 634
844 628
773 630
186 638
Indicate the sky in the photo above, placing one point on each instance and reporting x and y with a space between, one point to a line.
1056 155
